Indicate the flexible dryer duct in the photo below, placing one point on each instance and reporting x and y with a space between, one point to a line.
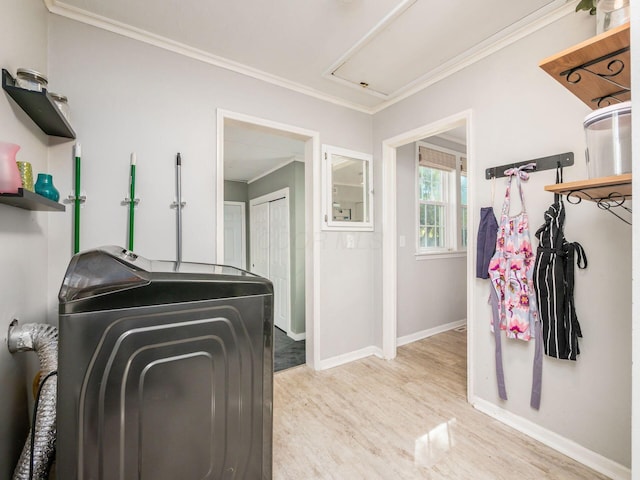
43 339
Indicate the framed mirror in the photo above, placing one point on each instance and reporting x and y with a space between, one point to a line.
347 189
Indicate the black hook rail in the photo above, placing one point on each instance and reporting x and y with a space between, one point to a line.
543 163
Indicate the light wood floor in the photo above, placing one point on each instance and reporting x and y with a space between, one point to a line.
401 419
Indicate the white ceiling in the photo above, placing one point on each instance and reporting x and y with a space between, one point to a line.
250 151
325 48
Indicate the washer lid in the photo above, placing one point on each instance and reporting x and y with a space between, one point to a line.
607 112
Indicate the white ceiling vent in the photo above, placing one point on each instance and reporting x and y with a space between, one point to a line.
420 37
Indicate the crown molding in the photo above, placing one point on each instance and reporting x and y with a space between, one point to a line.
523 28
506 37
120 28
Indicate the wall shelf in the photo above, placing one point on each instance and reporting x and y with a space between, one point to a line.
608 193
40 107
598 70
29 200
595 189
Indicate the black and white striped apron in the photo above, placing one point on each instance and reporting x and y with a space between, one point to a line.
553 279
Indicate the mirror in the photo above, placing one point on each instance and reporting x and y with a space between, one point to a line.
347 190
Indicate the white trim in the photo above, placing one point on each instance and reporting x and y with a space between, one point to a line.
429 332
350 357
327 212
297 336
540 19
244 230
277 167
126 30
390 232
312 217
559 443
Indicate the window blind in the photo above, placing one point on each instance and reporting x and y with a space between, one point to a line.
435 158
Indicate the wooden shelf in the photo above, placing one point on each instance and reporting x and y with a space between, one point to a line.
29 200
40 108
595 189
598 70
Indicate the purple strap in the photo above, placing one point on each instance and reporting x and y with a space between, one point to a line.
493 299
536 385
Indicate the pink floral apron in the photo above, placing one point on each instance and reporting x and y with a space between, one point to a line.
511 273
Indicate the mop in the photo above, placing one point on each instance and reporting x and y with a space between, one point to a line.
77 199
179 205
132 201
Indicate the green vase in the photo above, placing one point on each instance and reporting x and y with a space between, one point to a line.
44 186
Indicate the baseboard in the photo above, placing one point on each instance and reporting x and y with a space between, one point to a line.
297 336
414 337
349 357
563 445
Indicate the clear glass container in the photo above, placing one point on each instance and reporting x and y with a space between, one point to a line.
31 80
608 134
62 104
611 14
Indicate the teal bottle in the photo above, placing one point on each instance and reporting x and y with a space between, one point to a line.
44 186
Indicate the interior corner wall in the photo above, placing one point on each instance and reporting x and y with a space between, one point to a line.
23 233
423 284
519 113
128 96
290 176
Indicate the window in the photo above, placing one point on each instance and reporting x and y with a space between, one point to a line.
347 189
441 200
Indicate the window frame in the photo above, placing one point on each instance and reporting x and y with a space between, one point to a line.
453 206
328 223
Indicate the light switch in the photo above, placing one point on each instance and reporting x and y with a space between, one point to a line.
351 241
402 241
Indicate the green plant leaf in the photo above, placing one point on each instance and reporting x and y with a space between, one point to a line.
589 5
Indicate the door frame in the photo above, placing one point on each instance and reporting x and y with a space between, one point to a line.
283 193
390 232
244 229
312 175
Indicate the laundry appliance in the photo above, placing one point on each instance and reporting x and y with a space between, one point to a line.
165 370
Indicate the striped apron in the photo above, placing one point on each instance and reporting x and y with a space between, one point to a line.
553 278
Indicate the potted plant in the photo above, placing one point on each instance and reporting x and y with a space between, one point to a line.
589 5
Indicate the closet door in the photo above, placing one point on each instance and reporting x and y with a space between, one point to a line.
234 235
259 238
279 261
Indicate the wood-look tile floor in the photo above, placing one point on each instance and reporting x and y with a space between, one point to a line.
402 419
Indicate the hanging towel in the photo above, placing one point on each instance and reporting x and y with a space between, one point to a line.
486 244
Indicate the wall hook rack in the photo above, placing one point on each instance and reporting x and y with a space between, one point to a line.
543 163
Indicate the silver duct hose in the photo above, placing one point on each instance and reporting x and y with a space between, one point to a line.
43 339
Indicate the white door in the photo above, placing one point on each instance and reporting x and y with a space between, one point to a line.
259 238
235 239
279 261
270 251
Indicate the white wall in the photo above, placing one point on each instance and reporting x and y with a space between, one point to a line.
519 113
23 233
635 84
129 96
423 284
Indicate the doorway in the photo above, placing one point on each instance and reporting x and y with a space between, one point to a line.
390 229
257 160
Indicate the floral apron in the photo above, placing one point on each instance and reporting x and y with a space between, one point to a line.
511 273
